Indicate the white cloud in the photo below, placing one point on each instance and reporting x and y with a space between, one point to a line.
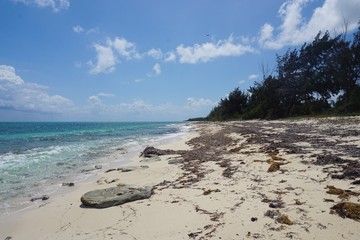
125 48
96 99
295 29
170 57
106 94
56 5
105 60
78 29
157 69
196 103
209 51
253 77
16 94
242 81
7 73
107 54
155 53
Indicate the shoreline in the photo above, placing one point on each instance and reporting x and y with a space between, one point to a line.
239 180
115 157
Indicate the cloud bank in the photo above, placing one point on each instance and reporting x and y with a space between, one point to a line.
333 16
56 5
18 95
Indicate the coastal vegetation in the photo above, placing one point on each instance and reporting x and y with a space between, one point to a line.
320 78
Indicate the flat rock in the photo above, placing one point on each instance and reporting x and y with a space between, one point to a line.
175 160
114 196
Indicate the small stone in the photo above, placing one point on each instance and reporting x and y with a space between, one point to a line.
254 219
98 167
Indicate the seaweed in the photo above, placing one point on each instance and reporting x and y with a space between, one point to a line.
284 219
275 166
347 210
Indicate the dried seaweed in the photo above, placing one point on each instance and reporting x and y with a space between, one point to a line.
347 210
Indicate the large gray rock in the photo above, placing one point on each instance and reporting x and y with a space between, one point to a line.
113 196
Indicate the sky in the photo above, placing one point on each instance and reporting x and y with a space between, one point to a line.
141 60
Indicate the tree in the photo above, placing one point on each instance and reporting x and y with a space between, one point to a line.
232 107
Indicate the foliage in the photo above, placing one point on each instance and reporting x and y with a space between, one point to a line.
321 77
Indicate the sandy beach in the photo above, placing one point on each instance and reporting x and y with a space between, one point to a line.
229 180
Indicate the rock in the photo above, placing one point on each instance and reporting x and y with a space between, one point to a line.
113 196
8 238
98 167
175 160
254 219
151 159
104 180
70 184
44 198
127 169
152 152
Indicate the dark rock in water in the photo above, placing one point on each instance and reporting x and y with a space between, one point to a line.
176 160
70 184
8 238
44 198
98 167
113 196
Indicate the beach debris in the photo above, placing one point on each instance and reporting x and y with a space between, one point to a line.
284 219
69 184
357 182
349 171
328 159
298 202
328 200
108 197
254 219
272 213
277 204
208 191
347 210
275 166
43 198
342 194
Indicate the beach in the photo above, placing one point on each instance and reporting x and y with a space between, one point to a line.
284 179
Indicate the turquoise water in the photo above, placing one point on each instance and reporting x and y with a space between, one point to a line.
34 157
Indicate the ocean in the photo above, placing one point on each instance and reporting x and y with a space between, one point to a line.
36 158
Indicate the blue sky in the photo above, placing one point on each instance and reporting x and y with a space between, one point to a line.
141 60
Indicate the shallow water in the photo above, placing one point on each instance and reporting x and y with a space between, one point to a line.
35 158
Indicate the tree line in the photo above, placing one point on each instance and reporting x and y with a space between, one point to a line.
322 77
